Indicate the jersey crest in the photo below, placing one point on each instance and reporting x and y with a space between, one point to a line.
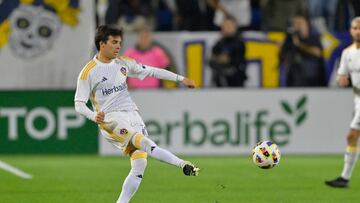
123 71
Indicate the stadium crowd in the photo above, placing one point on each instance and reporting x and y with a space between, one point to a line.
301 54
205 15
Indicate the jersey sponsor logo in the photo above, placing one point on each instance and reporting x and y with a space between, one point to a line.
108 91
123 71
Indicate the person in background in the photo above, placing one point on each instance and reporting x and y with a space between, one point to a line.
302 55
350 65
228 57
239 9
146 52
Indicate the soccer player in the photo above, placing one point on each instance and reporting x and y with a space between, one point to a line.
103 80
350 65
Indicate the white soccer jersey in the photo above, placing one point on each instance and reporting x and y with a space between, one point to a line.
105 83
350 64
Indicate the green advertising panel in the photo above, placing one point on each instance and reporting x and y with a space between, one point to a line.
44 122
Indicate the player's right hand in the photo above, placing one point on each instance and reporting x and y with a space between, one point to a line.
188 83
99 117
342 80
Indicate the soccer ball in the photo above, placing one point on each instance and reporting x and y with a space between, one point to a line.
266 154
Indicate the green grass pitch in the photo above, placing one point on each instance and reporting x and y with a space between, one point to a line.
91 178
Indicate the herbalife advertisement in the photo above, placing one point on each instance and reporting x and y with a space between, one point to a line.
219 122
44 122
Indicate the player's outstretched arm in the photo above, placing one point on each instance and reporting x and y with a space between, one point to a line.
188 83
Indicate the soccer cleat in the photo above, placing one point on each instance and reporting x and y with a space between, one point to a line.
338 182
190 169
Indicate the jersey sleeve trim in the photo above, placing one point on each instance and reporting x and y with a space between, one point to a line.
94 101
126 58
85 72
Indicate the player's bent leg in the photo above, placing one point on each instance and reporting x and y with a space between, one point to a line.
134 178
350 158
144 143
351 155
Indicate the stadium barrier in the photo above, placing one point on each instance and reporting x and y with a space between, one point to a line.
44 122
231 121
192 122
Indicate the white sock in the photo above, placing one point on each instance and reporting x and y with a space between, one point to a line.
350 159
159 153
166 156
133 180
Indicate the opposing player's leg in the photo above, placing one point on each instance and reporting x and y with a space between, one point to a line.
142 142
134 178
350 158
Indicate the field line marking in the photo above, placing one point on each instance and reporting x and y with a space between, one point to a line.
15 171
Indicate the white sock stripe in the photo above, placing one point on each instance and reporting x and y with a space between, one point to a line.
15 171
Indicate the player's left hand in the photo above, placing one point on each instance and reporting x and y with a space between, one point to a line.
99 117
188 83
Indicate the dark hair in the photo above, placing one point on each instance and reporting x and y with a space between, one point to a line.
104 31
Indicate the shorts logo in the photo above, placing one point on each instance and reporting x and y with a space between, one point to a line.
123 71
124 131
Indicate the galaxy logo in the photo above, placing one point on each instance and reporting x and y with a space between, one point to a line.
123 71
124 131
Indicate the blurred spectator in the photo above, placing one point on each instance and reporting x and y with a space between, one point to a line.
228 57
131 15
164 16
356 7
239 9
149 54
343 15
277 12
256 15
191 15
301 55
323 10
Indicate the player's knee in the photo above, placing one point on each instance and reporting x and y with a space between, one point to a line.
353 137
142 142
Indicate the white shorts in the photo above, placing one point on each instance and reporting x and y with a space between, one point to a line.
355 123
121 126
